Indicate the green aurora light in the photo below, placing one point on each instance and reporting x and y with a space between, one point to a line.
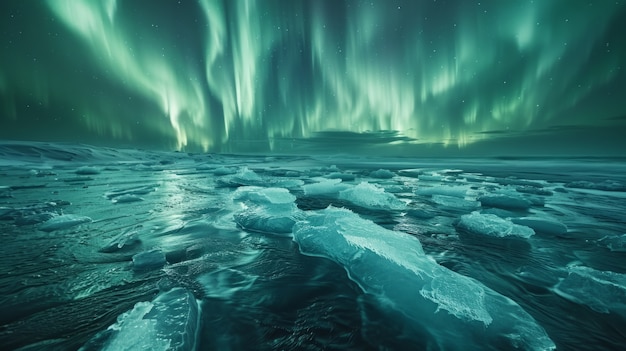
287 75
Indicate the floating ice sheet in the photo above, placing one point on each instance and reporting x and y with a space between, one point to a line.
324 187
492 225
602 291
169 322
461 312
266 210
371 196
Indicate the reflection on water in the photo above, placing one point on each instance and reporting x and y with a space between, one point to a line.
256 290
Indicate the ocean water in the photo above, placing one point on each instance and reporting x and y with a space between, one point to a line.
128 249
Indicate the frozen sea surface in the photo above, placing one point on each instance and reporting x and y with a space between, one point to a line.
125 249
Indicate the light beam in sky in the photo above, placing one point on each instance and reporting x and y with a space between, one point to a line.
246 75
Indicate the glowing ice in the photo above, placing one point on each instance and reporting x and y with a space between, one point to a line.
458 191
325 187
371 196
169 322
492 225
455 202
266 210
615 243
392 266
601 291
382 174
127 198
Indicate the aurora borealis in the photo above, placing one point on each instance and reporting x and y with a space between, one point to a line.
298 75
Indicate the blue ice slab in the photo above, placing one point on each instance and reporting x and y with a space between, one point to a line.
327 187
382 174
494 226
169 322
371 196
602 291
266 210
459 312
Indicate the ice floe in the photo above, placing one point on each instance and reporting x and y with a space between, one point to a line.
63 222
266 210
602 291
393 267
169 322
148 260
493 226
371 196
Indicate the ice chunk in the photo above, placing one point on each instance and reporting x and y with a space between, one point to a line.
542 225
170 322
324 187
382 174
455 202
505 201
265 196
393 267
127 198
259 219
266 210
63 222
371 196
602 291
615 243
148 260
457 190
492 225
248 177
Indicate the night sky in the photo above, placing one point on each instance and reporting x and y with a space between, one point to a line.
409 78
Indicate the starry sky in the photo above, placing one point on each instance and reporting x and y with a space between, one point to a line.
402 77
